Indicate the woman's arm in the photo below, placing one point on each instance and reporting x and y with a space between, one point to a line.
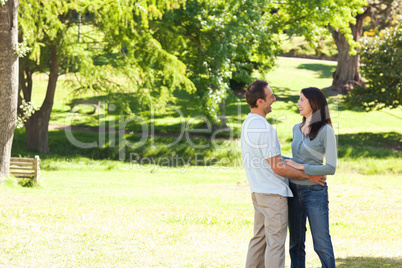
329 141
279 168
294 164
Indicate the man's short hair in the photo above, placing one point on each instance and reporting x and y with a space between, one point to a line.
255 91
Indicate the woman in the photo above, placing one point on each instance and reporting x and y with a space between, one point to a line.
313 139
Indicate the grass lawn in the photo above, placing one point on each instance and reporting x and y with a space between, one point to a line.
113 214
94 212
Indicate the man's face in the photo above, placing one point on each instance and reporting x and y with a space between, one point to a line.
269 99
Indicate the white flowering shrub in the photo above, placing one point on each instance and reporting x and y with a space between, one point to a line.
22 49
28 109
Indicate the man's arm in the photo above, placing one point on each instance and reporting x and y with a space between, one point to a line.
287 171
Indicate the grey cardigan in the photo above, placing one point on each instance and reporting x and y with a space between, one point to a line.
311 152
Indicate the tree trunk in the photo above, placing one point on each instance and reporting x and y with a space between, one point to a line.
8 81
347 73
223 125
222 107
37 127
25 81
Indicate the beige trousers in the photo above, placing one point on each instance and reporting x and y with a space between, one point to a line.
267 247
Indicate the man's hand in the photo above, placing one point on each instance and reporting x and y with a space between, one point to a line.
319 179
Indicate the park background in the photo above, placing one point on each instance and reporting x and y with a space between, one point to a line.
180 197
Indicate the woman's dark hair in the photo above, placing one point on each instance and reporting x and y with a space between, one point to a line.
255 91
319 105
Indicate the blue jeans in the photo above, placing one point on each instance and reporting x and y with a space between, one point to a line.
309 201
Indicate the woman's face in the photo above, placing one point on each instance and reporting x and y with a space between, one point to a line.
304 106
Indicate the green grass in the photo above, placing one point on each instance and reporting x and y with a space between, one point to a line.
108 213
91 210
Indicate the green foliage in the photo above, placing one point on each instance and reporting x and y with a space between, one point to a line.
26 182
145 68
311 18
223 42
363 148
382 57
150 48
115 51
219 41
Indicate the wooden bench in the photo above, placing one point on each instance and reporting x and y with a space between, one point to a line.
94 103
26 168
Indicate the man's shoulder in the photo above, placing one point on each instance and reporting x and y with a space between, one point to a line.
256 121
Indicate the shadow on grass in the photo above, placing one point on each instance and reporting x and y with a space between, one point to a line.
126 103
116 103
173 120
366 262
170 119
193 149
341 105
289 97
167 151
323 70
367 144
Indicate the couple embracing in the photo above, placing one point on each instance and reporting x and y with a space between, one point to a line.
285 192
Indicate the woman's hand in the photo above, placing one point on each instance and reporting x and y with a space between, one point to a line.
294 164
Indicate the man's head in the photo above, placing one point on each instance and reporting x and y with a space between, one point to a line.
259 96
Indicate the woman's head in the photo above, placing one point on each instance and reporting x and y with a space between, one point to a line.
314 103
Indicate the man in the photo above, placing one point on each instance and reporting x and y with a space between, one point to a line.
265 172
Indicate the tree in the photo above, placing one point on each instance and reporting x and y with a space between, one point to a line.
382 57
118 43
8 80
46 28
224 40
347 74
220 42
